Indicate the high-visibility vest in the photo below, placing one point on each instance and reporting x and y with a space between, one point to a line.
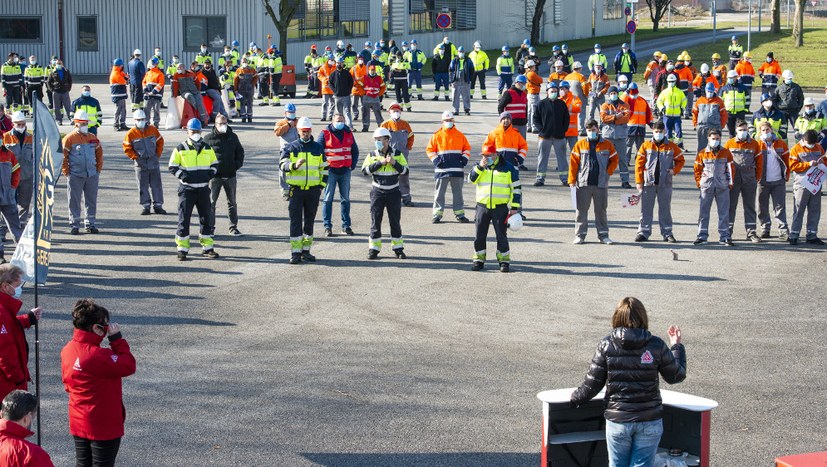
734 98
672 101
34 75
480 60
495 186
310 173
11 74
197 167
387 176
505 65
338 152
517 106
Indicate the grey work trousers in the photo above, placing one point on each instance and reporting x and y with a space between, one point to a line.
461 91
152 109
62 102
533 100
11 222
150 189
633 144
585 196
328 105
620 144
441 186
663 195
747 191
594 106
86 188
229 186
367 106
357 105
120 113
521 129
405 186
777 191
543 153
343 107
721 198
804 200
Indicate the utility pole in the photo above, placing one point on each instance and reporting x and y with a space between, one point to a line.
715 21
749 26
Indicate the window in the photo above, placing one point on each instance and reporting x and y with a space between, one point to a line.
612 9
386 18
327 19
88 33
557 9
19 29
423 13
354 28
210 30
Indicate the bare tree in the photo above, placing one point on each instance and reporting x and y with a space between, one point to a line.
287 8
798 24
775 23
657 9
536 19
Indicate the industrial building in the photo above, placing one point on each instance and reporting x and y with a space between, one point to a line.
89 34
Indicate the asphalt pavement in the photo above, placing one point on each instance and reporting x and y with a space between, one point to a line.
246 360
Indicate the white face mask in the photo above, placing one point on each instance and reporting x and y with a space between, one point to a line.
710 95
448 125
807 145
83 129
766 136
195 137
86 93
769 60
396 115
20 128
714 143
413 47
743 135
140 124
767 105
658 136
222 128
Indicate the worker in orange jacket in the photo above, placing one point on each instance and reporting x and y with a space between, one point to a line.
709 112
773 183
714 171
328 105
596 88
506 140
593 160
702 79
402 140
9 180
575 106
153 85
805 155
449 151
144 145
770 73
614 116
749 164
118 80
358 73
658 160
557 74
746 74
639 118
651 73
534 84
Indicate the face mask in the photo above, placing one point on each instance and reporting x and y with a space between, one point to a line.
86 93
175 60
203 50
413 47
613 97
461 54
670 67
338 125
372 74
396 115
598 70
788 81
671 84
489 160
731 80
32 62
552 95
597 51
16 60
623 86
195 137
221 128
18 291
714 143
562 93
769 60
157 53
306 139
379 145
140 124
710 95
58 67
658 136
83 129
381 43
521 87
743 135
592 135
20 128
766 136
445 41
633 95
448 125
809 112
767 105
330 63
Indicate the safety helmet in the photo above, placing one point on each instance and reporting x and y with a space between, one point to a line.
681 57
377 53
118 62
530 64
531 50
622 78
81 116
381 132
787 74
404 43
505 115
686 57
18 116
657 54
808 101
664 57
304 123
766 97
556 48
624 46
558 63
271 51
477 44
566 85
155 61
576 66
734 38
327 48
313 47
710 87
565 47
732 74
340 44
460 49
633 87
515 221
368 44
253 45
395 106
716 56
136 52
505 48
748 54
376 45
194 124
290 108
521 79
671 78
613 89
704 68
526 42
138 115
235 44
447 115
597 46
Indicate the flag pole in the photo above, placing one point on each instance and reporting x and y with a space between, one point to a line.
37 220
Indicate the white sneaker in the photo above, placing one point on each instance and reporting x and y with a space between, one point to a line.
606 241
578 240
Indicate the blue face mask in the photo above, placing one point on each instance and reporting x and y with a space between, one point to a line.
489 160
592 135
339 125
86 93
18 291
379 145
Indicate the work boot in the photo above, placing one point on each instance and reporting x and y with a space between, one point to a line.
295 258
160 210
145 212
727 242
626 185
539 183
815 241
784 236
753 238
408 204
477 266
373 254
212 254
699 241
306 256
670 239
436 219
92 229
765 234
420 98
606 241
793 241
505 267
447 98
75 231
436 98
485 98
640 238
400 254
578 240
463 220
182 256
347 231
235 232
328 232
522 167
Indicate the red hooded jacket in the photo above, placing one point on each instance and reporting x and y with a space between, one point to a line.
15 451
14 350
92 377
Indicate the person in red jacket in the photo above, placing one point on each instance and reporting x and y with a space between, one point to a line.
14 353
19 411
92 376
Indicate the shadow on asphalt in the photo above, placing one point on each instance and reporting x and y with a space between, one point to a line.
453 459
146 320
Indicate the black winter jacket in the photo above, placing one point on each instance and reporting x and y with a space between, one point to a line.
341 82
628 362
441 64
552 118
228 150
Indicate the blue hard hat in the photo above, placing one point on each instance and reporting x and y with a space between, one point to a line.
520 79
290 108
710 87
597 46
377 53
505 48
118 62
235 43
531 49
766 97
552 84
565 84
734 38
194 124
368 44
154 60
376 45
460 49
633 86
413 41
624 46
252 45
441 46
526 42
565 46
404 43
340 60
555 48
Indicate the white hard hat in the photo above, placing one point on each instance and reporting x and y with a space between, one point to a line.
138 115
787 74
809 101
477 44
530 63
558 63
515 221
671 78
576 65
304 123
81 116
340 43
447 115
18 116
732 74
136 52
622 78
381 132
704 68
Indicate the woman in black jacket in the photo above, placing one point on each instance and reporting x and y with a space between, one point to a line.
628 362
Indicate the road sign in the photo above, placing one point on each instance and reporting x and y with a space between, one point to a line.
631 27
443 20
627 11
814 2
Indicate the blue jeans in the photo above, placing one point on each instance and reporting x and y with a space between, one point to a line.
343 181
633 444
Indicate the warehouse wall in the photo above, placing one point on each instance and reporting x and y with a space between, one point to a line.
47 11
